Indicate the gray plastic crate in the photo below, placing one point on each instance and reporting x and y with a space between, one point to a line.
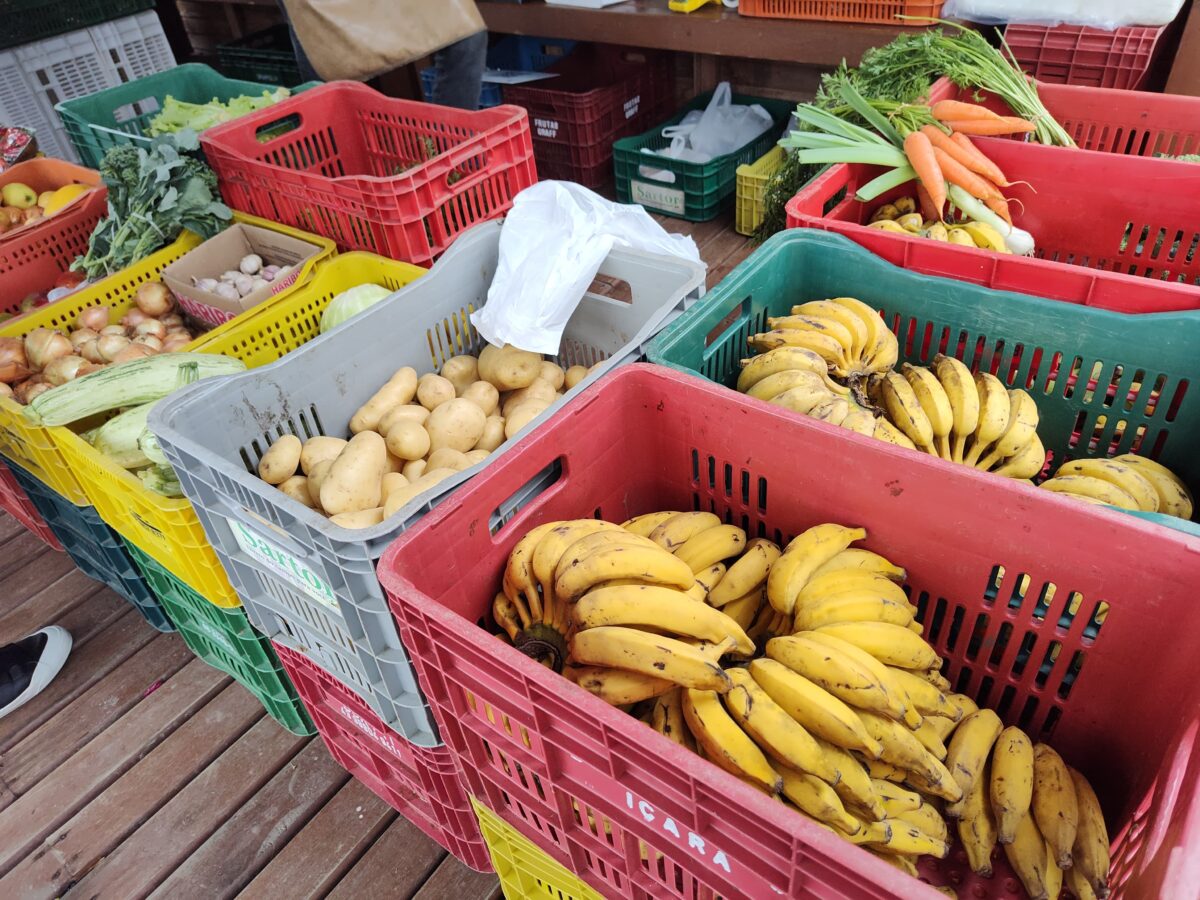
305 582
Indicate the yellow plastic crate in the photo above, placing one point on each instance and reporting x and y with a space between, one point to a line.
167 529
752 181
524 870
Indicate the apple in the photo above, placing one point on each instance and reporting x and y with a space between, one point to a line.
22 196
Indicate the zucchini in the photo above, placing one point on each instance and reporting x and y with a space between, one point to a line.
126 384
118 437
161 480
148 444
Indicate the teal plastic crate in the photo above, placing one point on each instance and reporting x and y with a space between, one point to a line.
264 57
224 639
33 20
688 190
120 115
1105 383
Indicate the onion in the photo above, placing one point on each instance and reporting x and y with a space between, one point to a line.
27 390
175 343
64 369
110 345
12 350
150 341
134 351
134 318
172 321
91 351
12 372
93 318
5 390
150 326
154 299
43 346
81 336
118 330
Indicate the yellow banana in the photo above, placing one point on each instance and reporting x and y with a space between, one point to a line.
824 345
854 783
1022 428
822 324
985 236
519 571
1126 477
882 348
943 787
907 839
774 385
1090 853
618 687
600 540
1174 498
1026 463
854 607
662 609
711 546
855 558
925 697
645 524
724 742
555 543
970 746
905 864
747 573
821 713
937 232
860 421
804 555
942 726
994 406
869 833
666 717
834 411
881 771
650 654
958 235
977 829
927 818
773 362
847 318
1087 488
892 645
927 735
818 799
678 530
710 577
835 672
904 206
743 610
900 748
504 611
890 226
1055 807
1054 875
802 399
896 800
965 704
901 708
1027 855
1080 886
905 412
932 397
1011 788
960 390
649 564
887 211
825 584
886 431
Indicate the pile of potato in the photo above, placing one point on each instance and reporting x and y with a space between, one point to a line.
414 432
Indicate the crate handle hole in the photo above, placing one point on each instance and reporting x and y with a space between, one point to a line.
661 176
525 495
277 128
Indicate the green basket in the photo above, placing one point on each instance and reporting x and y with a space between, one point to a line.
1080 364
120 115
695 191
34 20
224 639
265 57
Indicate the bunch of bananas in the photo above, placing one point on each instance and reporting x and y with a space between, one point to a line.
901 217
1129 482
847 334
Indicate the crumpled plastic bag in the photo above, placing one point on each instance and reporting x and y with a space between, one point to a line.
552 244
720 129
1106 14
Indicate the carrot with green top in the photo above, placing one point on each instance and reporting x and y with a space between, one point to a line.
983 165
956 173
992 127
955 110
920 153
976 161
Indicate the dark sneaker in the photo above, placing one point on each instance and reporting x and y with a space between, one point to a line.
30 664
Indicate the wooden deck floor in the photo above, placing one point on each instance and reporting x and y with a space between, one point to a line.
142 772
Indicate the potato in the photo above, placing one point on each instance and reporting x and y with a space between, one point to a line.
447 458
363 518
539 391
316 478
493 434
394 463
296 487
553 373
461 371
509 368
414 470
574 375
399 498
457 424
522 416
353 482
477 456
399 389
484 395
408 440
390 482
280 461
317 449
409 412
434 390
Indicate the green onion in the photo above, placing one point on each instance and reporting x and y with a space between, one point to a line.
885 182
873 156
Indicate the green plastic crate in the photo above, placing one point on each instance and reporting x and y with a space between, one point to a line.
265 57
697 191
34 20
120 115
1026 341
224 639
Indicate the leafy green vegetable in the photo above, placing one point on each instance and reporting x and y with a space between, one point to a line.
350 303
176 115
1187 157
152 196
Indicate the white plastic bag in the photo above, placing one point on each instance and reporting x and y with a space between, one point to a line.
1107 14
722 128
554 239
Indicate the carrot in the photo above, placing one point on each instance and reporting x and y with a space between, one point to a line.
983 165
940 139
956 173
919 151
1003 125
928 212
999 206
954 110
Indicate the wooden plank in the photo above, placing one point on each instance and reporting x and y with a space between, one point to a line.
712 29
74 783
10 526
1185 71
325 849
168 837
39 572
72 851
118 632
241 847
45 604
18 551
453 879
723 254
396 865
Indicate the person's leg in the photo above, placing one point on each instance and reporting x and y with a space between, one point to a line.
307 72
27 666
460 72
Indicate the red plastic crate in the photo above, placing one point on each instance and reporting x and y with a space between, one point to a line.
32 258
1132 123
16 503
421 783
1115 232
869 11
604 795
1076 54
344 161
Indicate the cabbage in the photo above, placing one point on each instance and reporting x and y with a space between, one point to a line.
350 303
